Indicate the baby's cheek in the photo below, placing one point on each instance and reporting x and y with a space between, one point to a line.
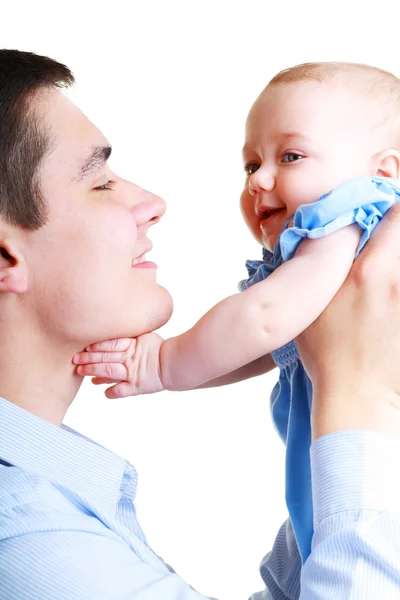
244 200
291 194
304 193
251 220
247 207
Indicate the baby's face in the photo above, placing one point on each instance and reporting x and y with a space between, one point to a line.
302 140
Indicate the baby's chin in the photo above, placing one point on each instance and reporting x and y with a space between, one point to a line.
270 238
269 243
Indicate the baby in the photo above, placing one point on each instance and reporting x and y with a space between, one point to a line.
321 160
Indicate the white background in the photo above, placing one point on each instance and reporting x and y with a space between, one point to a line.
170 83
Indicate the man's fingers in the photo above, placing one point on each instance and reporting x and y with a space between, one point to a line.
86 358
377 266
115 345
385 239
113 371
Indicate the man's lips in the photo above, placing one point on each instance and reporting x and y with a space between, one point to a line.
142 256
140 260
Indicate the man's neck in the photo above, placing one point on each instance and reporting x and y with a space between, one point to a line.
36 375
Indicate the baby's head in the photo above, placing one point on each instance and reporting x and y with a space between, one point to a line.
312 128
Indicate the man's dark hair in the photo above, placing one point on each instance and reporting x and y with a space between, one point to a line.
23 138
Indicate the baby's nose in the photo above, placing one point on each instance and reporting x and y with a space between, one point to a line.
261 180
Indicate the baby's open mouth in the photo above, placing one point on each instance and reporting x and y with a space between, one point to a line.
268 216
273 212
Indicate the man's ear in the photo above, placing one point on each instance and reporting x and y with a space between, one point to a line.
13 269
387 163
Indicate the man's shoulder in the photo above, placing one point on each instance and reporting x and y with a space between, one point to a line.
18 487
50 547
30 503
53 548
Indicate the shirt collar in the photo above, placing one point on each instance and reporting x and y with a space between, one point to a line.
64 456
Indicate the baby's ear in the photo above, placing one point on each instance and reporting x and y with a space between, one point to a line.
387 163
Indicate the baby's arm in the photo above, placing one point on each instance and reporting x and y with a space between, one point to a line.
260 366
133 366
248 325
233 340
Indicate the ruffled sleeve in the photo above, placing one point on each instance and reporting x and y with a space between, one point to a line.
363 200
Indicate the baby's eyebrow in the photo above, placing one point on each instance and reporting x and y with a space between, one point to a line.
281 135
94 162
295 134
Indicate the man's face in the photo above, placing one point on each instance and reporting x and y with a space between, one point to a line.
85 283
302 140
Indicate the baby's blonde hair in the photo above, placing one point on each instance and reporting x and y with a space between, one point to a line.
379 88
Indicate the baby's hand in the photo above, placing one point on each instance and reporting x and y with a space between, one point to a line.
133 364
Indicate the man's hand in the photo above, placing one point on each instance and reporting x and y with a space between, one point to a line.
132 364
352 351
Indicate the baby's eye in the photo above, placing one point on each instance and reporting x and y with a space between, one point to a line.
289 157
251 167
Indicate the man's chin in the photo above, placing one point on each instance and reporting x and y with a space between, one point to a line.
155 315
148 314
163 311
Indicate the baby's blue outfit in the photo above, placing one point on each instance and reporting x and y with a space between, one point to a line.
363 200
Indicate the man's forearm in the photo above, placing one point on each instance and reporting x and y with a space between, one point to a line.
356 499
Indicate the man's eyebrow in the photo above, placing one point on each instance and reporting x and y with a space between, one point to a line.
94 162
285 135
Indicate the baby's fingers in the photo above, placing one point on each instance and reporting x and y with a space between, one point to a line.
102 380
120 390
86 358
115 345
113 371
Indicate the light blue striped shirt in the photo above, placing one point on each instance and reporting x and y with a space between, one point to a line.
68 527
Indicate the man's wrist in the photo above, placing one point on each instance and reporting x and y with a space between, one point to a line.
373 410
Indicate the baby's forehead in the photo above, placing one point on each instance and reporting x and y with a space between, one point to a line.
307 92
302 101
333 93
321 116
335 100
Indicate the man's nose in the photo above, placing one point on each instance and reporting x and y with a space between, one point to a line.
148 208
261 180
